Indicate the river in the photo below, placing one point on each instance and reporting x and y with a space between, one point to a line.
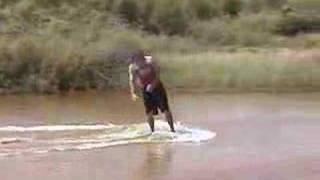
258 137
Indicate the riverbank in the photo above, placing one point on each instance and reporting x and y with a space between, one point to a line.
217 70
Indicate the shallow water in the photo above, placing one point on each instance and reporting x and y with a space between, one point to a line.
259 136
19 140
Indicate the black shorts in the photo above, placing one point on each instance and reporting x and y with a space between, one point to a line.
157 99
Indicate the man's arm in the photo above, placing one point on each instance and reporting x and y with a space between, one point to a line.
132 84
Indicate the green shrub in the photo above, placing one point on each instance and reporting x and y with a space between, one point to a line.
147 14
232 7
255 5
128 9
25 10
109 4
26 58
173 18
306 6
4 3
275 4
261 5
225 31
147 10
48 3
294 24
54 3
215 31
204 9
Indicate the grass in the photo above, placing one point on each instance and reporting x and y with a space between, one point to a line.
48 46
33 64
271 70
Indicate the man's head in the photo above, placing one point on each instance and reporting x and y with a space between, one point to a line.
141 57
148 56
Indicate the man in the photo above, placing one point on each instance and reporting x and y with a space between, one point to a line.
144 75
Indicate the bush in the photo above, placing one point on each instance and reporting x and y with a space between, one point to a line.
275 4
26 58
4 3
147 10
225 31
204 9
294 24
232 7
255 5
173 18
25 10
129 10
54 3
147 17
215 31
109 4
307 6
48 3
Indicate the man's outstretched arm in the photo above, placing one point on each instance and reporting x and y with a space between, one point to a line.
132 86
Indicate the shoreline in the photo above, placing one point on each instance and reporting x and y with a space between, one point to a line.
174 90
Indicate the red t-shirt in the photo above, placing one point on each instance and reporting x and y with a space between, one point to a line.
145 74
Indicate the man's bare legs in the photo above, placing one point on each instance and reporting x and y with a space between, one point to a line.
151 121
169 118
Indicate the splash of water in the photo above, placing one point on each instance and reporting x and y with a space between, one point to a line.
53 128
44 139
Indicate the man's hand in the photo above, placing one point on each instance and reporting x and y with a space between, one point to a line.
134 97
149 88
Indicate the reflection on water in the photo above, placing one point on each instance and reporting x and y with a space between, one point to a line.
156 164
77 108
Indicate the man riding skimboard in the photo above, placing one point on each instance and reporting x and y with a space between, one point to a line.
144 75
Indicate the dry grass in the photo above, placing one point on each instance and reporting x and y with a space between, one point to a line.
274 70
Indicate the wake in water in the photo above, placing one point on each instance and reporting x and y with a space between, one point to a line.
43 139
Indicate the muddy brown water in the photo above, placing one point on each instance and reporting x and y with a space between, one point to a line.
259 137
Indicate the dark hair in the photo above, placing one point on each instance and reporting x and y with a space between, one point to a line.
139 55
147 52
